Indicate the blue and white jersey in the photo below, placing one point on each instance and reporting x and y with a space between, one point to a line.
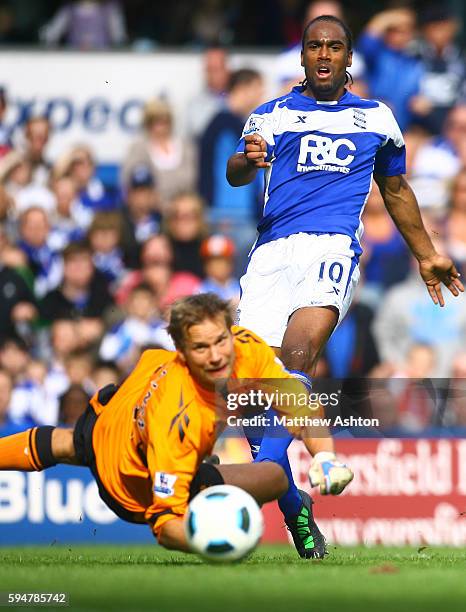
323 155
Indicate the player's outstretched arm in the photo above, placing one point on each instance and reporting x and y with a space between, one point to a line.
242 167
403 208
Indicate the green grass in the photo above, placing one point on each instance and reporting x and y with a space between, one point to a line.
273 578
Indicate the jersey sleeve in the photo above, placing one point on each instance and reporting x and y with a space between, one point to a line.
390 159
259 122
262 361
173 453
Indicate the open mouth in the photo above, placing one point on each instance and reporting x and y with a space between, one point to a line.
219 371
323 72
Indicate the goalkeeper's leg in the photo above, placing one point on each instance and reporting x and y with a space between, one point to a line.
36 449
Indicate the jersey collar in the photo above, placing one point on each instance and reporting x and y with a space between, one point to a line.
298 91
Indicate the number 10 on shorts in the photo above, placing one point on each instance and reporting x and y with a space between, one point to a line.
333 271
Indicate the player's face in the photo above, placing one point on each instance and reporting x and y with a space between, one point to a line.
208 351
325 58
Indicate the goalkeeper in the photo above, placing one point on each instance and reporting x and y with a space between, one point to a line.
145 441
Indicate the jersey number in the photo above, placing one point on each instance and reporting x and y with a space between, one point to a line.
334 271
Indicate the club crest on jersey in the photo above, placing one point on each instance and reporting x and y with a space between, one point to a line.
164 484
326 154
359 118
254 124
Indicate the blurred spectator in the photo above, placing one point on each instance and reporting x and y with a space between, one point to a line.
385 47
157 272
142 326
351 350
289 70
79 366
82 295
419 363
415 404
218 254
17 304
72 405
186 227
407 316
456 222
219 139
207 103
7 205
86 25
30 403
104 238
15 173
442 157
209 22
5 132
455 409
141 216
64 340
171 159
106 373
44 262
70 217
444 67
414 138
386 256
7 425
36 132
458 367
78 164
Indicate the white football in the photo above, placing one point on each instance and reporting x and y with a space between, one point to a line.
223 523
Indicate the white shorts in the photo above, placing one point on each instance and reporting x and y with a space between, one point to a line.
295 272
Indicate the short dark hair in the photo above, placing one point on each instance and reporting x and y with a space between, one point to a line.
330 19
244 76
76 248
193 310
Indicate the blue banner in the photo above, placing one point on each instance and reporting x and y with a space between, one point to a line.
60 506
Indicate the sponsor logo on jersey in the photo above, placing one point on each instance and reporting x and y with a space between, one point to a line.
164 484
325 154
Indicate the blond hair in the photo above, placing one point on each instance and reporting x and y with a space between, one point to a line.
193 310
155 110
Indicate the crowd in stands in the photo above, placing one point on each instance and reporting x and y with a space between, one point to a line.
88 271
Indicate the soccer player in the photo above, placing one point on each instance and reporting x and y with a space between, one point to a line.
144 441
320 147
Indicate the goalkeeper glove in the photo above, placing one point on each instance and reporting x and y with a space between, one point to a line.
330 475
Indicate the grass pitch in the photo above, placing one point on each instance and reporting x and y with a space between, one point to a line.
272 579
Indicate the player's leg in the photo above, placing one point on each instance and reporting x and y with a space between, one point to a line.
324 283
264 481
37 449
295 504
306 335
266 288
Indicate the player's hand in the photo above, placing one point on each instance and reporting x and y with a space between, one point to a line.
255 151
329 474
436 270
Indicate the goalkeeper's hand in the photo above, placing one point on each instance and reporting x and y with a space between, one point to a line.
330 475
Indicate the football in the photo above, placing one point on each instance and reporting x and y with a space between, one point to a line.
223 523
